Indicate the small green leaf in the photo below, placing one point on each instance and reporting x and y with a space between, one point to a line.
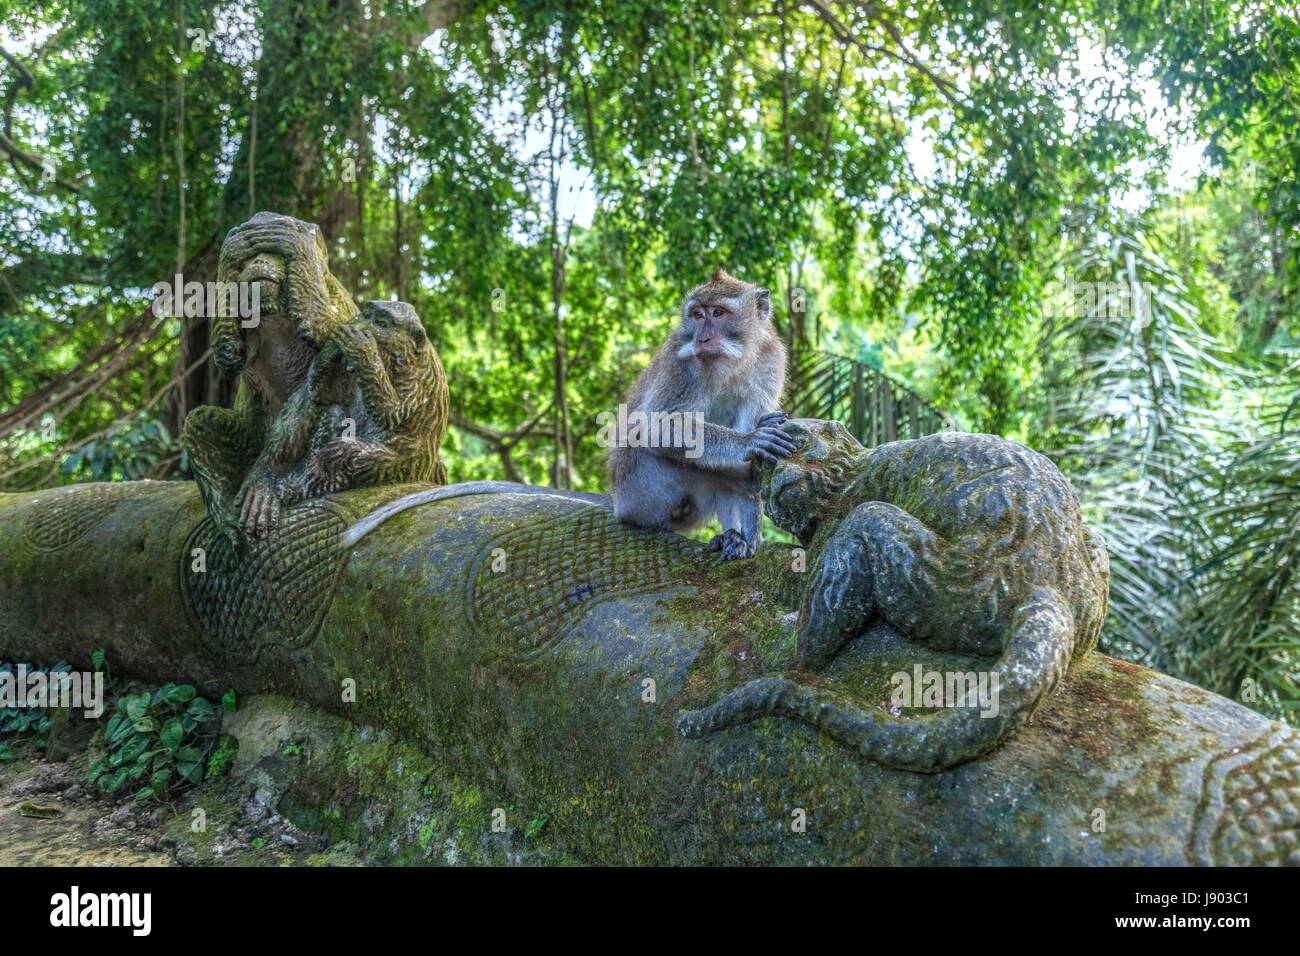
125 729
134 747
171 734
162 693
97 659
229 700
137 706
182 694
144 793
193 772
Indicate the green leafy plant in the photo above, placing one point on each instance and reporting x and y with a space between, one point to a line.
535 827
1188 461
156 738
230 700
30 723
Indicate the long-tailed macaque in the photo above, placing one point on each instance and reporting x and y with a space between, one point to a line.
714 386
707 412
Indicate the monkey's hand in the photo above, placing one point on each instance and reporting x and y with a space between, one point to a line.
768 442
772 418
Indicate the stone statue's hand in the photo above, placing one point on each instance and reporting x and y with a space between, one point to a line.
355 343
228 349
261 507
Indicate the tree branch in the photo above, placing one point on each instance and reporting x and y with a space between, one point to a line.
946 88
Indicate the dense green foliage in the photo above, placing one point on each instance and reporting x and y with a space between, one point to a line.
27 723
914 182
155 742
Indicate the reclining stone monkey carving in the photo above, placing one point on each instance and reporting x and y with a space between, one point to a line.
965 543
278 444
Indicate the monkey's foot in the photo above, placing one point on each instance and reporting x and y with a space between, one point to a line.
733 545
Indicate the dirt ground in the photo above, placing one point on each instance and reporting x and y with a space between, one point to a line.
67 825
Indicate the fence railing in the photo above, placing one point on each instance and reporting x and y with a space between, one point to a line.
874 407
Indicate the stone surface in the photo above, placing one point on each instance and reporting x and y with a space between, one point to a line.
514 637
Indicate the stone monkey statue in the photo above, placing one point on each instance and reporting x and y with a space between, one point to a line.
287 438
300 304
965 543
373 412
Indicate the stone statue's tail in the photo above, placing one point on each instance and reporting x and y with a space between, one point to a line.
1032 666
377 517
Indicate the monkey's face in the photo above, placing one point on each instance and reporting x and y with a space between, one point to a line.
797 490
720 317
396 329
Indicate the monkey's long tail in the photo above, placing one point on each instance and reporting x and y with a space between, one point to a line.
377 517
1032 666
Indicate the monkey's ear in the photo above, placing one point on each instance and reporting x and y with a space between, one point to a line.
719 276
763 300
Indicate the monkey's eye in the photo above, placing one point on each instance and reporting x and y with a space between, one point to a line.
697 314
719 312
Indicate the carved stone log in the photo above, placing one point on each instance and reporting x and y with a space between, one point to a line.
515 637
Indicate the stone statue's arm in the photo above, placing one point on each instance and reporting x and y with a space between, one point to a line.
227 340
220 443
355 347
276 478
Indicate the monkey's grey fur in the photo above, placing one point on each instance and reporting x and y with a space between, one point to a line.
725 363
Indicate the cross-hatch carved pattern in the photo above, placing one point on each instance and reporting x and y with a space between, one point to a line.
67 514
1259 824
556 570
1262 825
280 587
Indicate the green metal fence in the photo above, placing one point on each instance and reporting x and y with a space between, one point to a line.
874 407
